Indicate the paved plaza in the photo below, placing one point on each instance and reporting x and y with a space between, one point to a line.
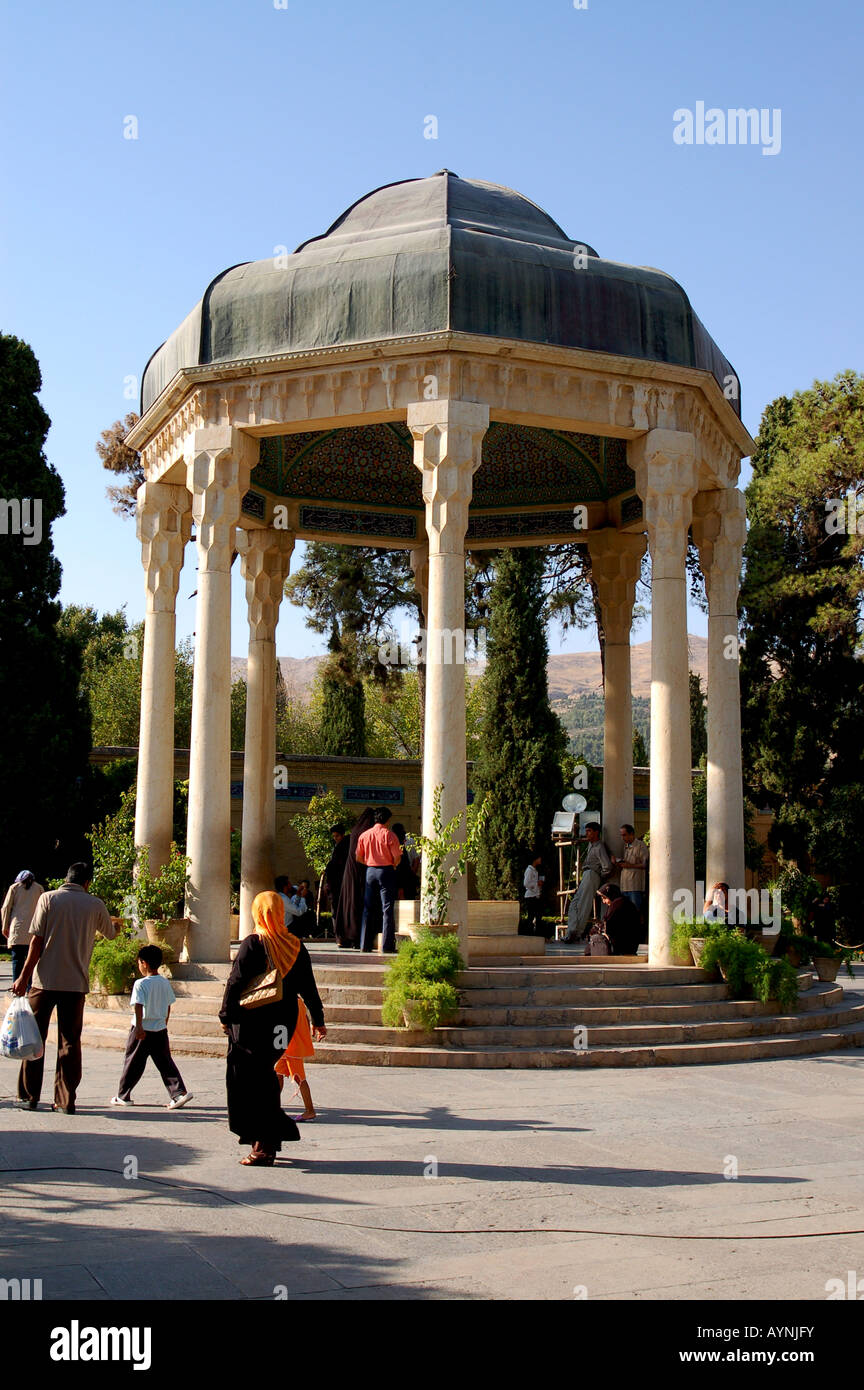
350 1212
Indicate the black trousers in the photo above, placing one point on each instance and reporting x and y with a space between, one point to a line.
534 916
153 1045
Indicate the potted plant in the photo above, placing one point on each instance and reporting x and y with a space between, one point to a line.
828 957
420 992
748 971
158 900
446 858
688 939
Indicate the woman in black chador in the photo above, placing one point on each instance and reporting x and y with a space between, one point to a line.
258 1037
348 915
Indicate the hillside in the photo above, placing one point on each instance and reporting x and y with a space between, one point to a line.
571 674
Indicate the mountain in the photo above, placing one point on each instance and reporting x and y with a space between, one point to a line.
571 674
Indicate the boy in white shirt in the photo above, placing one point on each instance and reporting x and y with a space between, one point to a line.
152 997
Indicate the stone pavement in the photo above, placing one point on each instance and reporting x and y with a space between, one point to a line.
607 1154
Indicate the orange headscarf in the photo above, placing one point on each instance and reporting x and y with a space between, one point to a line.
268 914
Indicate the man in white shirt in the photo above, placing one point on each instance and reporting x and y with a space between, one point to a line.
533 894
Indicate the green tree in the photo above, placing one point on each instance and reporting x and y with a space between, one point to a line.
801 667
698 727
343 704
119 459
700 819
352 593
44 731
238 714
519 762
640 751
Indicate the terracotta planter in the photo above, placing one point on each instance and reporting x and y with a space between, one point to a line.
697 946
826 967
169 935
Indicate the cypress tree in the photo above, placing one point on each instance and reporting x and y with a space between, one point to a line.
523 742
343 708
44 730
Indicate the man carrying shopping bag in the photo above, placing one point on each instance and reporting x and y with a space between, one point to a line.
62 934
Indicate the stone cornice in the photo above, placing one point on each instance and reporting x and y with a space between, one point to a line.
524 382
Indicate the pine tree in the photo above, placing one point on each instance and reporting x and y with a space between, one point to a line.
44 731
523 742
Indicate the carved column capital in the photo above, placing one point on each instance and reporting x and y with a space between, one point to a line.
164 524
720 530
448 441
265 558
218 478
665 465
616 563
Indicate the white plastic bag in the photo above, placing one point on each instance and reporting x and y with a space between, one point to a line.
20 1039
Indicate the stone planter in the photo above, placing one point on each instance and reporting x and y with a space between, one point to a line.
697 946
170 935
794 956
768 941
827 967
441 929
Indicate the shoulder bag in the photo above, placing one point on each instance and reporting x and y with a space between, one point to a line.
264 989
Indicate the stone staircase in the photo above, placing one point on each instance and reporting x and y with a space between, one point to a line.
524 1016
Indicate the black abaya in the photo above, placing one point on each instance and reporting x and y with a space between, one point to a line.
348 917
256 1040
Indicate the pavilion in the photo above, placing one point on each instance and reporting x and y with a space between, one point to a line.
443 368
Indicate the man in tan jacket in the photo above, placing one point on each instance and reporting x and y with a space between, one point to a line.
62 934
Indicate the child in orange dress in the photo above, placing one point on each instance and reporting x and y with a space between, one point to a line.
291 1061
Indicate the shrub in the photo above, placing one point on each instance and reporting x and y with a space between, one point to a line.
420 982
684 931
775 978
115 963
159 897
749 971
113 845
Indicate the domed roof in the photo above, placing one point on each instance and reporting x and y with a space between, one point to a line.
428 255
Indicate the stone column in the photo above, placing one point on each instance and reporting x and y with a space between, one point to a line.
218 477
719 530
265 556
448 438
419 558
665 465
164 525
616 562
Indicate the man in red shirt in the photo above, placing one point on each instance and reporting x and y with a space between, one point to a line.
379 849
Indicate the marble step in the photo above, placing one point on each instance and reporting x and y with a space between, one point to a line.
626 1033
682 1054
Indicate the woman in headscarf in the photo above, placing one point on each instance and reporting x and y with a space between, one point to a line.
16 916
348 916
257 1037
621 920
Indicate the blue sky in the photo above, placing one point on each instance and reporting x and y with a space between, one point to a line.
258 126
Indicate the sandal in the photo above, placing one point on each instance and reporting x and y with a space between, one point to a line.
254 1160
